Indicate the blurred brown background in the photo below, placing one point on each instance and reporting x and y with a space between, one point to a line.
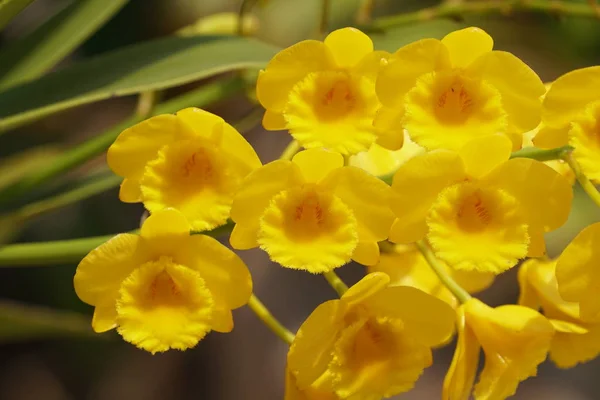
249 362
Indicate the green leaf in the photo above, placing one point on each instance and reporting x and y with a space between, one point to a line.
19 322
394 38
30 57
10 8
152 65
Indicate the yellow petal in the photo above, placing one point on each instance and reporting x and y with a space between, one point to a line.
521 102
165 223
105 316
466 45
164 306
515 340
203 123
308 229
312 349
577 272
569 95
130 191
348 46
315 164
550 138
243 237
224 273
292 392
388 122
255 193
460 377
287 68
571 347
367 197
483 154
366 253
529 181
417 184
477 228
273 121
101 272
222 318
406 65
379 161
428 319
138 145
368 286
583 136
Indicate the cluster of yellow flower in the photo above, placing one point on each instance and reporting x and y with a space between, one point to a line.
447 117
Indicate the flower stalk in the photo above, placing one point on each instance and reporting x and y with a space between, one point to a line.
263 313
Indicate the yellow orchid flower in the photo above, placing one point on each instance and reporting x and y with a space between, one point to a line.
312 213
324 93
571 115
192 161
577 272
163 289
406 266
576 340
364 346
478 209
515 340
447 92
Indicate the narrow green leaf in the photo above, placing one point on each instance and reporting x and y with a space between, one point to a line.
152 65
19 322
30 57
10 8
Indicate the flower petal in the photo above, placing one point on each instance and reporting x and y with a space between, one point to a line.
521 102
273 121
312 349
315 164
368 286
130 191
348 46
165 222
544 194
105 315
483 154
569 95
466 45
428 318
577 272
406 65
287 68
416 185
366 253
460 377
367 197
224 272
550 138
101 272
388 123
138 145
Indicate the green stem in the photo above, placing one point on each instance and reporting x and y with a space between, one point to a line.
290 151
68 251
461 294
200 97
452 10
269 320
542 154
336 282
589 188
